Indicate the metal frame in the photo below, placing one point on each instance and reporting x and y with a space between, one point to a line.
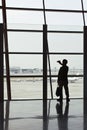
1 64
44 62
6 49
46 10
1 80
85 62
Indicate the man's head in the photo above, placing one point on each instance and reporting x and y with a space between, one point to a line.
64 62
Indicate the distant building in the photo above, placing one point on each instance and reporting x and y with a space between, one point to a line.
15 70
26 71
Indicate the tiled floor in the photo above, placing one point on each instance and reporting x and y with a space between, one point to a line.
50 115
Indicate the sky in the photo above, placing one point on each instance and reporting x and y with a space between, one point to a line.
30 42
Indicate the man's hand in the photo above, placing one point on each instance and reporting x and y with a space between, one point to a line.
59 62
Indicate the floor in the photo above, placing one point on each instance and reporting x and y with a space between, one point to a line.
42 115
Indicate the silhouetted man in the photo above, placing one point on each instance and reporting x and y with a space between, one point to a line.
63 80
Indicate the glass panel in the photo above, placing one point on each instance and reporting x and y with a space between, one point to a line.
5 88
75 63
24 26
58 4
25 42
24 3
0 3
65 42
25 64
4 65
64 18
26 17
1 16
26 88
75 87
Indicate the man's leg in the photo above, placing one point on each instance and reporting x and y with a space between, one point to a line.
61 92
66 91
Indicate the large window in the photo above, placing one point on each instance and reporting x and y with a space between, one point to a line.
25 21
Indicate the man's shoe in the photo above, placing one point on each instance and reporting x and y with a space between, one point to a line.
68 100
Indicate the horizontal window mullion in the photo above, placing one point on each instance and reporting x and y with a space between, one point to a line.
64 31
41 9
23 30
38 76
50 53
49 31
24 53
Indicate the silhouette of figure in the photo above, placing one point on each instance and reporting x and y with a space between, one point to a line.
62 118
63 80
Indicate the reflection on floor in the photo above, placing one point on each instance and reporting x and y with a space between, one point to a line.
42 115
